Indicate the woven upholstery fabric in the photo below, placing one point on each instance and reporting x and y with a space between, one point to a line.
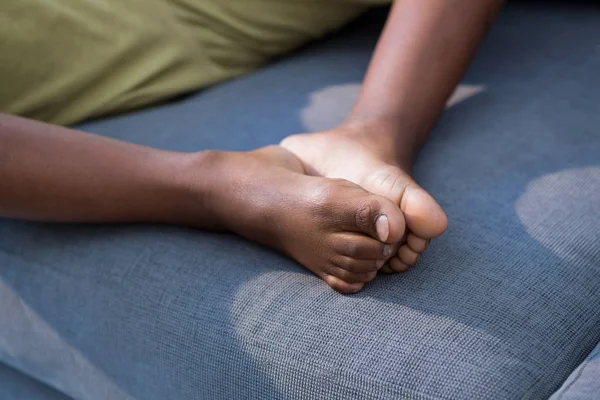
503 306
16 386
584 382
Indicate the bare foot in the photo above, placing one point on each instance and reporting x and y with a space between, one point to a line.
353 152
333 227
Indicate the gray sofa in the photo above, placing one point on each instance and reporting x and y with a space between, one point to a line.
506 305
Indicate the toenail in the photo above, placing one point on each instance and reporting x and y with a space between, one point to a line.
387 250
380 264
382 227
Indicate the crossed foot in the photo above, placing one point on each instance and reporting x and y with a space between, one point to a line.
360 154
357 215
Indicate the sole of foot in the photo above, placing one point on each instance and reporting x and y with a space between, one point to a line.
344 153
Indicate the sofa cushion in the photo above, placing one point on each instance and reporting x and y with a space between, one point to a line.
584 382
16 386
505 305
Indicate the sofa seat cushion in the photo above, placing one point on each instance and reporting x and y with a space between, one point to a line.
16 386
503 306
584 382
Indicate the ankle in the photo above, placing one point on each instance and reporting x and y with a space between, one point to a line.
217 189
384 136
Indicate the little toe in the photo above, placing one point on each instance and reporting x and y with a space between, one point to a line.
407 255
352 277
342 287
417 244
396 265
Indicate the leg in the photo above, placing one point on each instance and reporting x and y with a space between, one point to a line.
422 53
335 228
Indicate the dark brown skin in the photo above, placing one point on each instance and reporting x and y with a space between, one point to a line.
424 50
334 227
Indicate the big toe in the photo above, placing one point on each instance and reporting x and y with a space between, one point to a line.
381 218
424 216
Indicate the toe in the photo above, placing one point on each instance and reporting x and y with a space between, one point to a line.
407 255
386 269
361 247
424 216
354 265
381 218
397 266
342 287
352 277
416 243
